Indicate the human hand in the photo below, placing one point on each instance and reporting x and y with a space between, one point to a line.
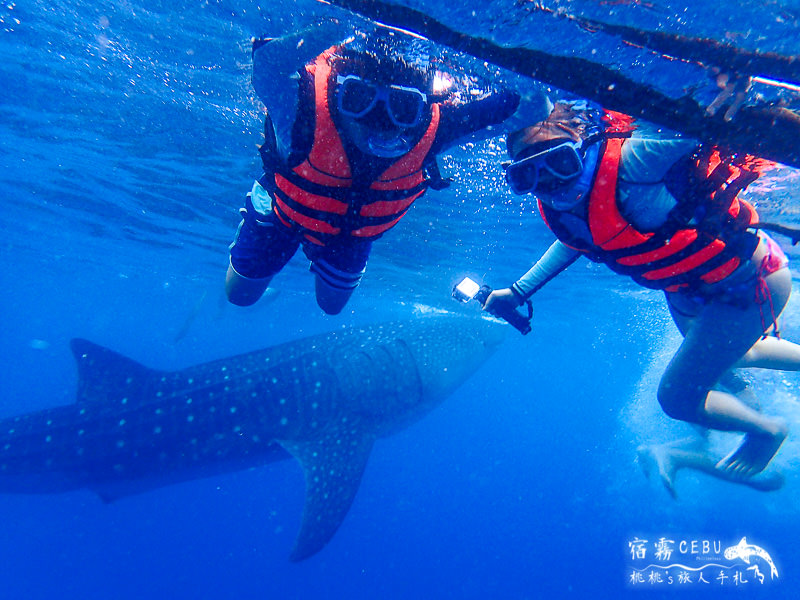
731 86
499 298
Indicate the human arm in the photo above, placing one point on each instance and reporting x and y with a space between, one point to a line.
276 66
473 118
487 110
534 106
557 258
275 59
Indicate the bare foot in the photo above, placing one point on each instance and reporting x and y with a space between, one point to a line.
753 454
650 456
645 460
765 482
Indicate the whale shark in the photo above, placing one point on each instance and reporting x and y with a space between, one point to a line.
323 400
745 552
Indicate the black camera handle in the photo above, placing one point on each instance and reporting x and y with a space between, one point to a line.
510 315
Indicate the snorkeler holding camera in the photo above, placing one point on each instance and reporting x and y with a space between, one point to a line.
467 290
667 212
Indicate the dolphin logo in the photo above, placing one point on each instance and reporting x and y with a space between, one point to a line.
744 551
324 400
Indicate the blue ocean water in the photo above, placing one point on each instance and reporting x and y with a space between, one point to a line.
128 135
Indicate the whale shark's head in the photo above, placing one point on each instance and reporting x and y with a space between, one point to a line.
451 350
737 551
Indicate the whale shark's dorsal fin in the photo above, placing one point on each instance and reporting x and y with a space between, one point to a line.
104 374
333 467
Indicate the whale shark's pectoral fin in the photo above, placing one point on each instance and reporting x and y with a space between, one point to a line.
333 467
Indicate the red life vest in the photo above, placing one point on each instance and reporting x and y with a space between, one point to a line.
320 195
703 241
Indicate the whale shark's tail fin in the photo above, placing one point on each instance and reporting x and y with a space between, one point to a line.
107 375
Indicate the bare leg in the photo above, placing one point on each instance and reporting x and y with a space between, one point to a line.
772 353
692 452
244 291
337 273
736 385
331 299
716 339
766 353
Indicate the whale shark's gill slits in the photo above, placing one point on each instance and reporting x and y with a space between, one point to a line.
405 360
362 377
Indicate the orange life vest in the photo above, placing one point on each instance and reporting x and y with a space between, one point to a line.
321 197
703 241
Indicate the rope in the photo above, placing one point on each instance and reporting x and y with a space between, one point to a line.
763 295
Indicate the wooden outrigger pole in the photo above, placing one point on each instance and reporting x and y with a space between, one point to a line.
771 132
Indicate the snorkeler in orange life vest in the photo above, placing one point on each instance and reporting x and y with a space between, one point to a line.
667 212
351 144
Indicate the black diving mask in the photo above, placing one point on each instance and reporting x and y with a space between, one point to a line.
356 97
547 170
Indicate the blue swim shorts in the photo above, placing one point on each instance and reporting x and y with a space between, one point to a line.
263 245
